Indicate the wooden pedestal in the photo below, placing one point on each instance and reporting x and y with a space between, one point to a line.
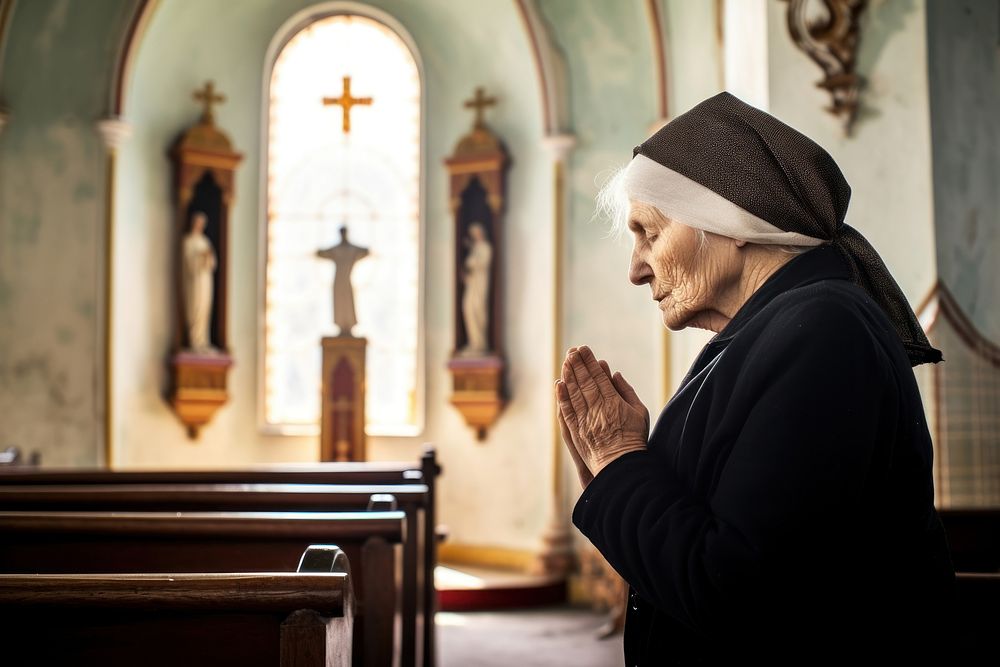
478 390
342 424
199 387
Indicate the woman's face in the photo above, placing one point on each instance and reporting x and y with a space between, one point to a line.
688 283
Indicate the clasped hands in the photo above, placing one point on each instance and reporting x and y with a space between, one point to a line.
600 415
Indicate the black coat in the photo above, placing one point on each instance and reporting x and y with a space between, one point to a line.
784 506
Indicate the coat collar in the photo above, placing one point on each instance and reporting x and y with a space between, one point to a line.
821 263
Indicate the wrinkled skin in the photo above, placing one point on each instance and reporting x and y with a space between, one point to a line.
600 415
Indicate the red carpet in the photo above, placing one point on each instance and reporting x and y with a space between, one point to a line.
467 588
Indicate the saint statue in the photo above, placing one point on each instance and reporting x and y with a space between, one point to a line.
344 256
475 298
199 263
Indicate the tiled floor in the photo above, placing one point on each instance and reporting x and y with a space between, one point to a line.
542 637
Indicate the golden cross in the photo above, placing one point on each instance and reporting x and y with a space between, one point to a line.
207 96
346 101
479 103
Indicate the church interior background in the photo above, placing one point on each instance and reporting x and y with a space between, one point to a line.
98 98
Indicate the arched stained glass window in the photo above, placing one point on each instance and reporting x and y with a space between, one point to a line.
320 178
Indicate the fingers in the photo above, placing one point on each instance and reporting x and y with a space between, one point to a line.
626 390
583 471
596 372
576 375
575 396
607 369
582 369
562 398
567 436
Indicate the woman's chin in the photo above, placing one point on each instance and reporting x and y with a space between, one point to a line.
670 320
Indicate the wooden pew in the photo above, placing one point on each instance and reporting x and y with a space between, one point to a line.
134 542
421 514
411 499
973 537
977 617
293 619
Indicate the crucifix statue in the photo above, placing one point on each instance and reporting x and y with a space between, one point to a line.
344 255
480 102
207 96
346 102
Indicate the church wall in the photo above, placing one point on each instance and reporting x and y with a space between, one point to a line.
964 74
887 158
55 86
494 493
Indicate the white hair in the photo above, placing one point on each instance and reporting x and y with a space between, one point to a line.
613 203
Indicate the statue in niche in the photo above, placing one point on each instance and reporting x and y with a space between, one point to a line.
344 256
475 297
199 262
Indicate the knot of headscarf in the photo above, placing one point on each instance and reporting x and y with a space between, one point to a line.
730 168
870 272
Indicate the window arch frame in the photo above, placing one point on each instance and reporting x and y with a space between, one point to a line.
288 30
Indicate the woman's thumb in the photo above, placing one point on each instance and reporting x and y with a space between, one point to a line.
626 390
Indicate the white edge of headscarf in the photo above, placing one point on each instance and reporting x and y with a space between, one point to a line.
691 203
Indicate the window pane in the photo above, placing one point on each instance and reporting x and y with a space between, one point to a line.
320 179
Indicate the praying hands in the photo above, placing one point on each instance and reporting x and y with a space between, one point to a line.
600 415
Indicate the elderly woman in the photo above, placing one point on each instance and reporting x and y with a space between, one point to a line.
781 507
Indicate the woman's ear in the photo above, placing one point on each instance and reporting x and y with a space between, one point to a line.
740 243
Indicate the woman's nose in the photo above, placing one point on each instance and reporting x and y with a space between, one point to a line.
639 271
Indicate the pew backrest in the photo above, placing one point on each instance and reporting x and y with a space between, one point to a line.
135 542
294 618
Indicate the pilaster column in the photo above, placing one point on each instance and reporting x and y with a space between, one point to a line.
556 556
114 132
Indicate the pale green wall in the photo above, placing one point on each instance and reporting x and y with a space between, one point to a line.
964 72
55 83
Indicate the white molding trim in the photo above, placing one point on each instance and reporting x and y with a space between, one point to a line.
114 133
559 146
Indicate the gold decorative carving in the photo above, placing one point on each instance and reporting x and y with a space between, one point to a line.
476 176
828 32
204 169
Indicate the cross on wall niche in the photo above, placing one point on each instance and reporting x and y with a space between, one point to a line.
208 97
479 103
346 102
